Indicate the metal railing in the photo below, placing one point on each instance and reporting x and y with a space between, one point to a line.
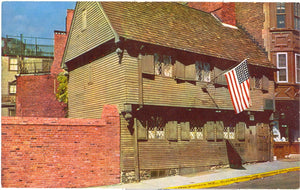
27 46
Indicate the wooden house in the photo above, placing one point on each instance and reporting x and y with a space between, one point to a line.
161 64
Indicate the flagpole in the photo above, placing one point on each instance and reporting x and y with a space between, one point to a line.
212 81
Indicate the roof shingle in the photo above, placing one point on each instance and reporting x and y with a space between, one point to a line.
177 26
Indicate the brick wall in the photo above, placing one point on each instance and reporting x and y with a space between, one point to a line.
36 93
61 152
36 97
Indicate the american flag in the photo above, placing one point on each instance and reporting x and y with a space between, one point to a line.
239 87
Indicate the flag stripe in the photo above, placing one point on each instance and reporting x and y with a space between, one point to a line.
231 92
239 87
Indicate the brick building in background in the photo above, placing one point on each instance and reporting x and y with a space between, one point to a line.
36 94
275 28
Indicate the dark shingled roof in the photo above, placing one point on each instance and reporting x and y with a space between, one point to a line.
177 26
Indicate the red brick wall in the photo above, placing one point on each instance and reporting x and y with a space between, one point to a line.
61 152
224 11
60 39
36 97
36 94
70 13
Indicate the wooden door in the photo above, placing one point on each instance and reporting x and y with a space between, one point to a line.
263 142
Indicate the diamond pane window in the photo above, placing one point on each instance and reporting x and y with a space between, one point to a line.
196 130
202 71
229 132
156 128
163 65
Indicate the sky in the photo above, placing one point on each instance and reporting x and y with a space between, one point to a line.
34 18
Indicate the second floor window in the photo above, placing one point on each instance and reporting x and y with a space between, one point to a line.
297 65
282 66
202 71
297 16
163 65
280 15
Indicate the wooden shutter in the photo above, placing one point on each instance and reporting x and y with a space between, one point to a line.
185 131
220 78
179 70
190 72
220 130
148 64
240 131
265 83
209 130
142 130
172 131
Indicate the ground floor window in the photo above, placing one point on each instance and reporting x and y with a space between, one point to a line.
196 130
229 132
156 128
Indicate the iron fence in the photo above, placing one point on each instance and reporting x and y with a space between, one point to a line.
27 46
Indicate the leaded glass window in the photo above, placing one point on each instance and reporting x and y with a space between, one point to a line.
229 132
163 65
196 130
202 71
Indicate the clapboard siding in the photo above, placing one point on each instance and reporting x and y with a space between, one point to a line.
127 147
167 92
98 30
88 94
164 154
131 78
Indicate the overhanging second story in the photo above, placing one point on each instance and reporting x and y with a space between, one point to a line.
164 54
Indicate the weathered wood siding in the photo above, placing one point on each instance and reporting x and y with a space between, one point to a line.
97 31
95 84
157 154
165 91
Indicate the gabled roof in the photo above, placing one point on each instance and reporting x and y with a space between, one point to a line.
173 25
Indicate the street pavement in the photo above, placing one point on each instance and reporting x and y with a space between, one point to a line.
212 175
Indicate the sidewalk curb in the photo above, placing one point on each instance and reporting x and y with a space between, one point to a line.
234 180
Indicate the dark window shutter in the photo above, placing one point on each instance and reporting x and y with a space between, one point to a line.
220 78
240 131
179 70
185 131
209 130
172 130
148 64
265 83
142 130
220 130
190 72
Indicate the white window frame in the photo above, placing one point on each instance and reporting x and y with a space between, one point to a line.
13 64
297 70
286 68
